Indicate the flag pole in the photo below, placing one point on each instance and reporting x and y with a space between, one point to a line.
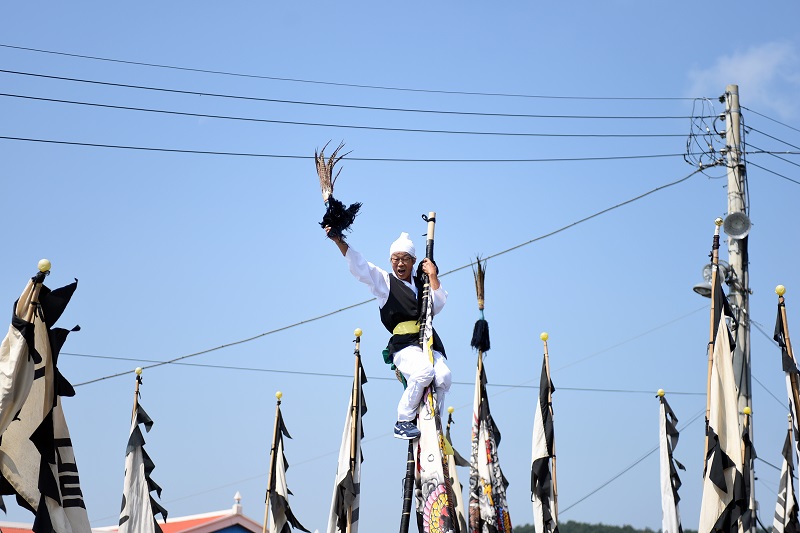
136 392
544 336
714 273
780 290
273 449
355 407
408 489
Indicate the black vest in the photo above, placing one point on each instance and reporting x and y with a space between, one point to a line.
403 306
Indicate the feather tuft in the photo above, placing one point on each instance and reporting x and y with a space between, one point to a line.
480 336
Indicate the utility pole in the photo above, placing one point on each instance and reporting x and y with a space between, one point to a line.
737 227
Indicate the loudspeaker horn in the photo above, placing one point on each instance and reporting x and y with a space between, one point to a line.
736 225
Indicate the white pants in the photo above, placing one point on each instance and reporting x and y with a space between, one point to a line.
418 371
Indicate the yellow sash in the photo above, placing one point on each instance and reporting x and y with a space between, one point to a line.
406 328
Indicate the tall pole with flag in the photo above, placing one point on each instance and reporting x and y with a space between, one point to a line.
138 505
488 505
435 499
278 516
347 485
544 489
724 499
788 361
37 461
786 516
670 481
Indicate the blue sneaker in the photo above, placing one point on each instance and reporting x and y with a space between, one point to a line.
406 430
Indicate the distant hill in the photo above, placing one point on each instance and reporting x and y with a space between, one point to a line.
582 527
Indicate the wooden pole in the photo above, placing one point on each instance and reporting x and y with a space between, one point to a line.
136 394
715 263
408 489
792 375
355 408
544 338
273 450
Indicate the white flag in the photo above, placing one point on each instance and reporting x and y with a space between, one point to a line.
724 499
347 484
281 518
542 493
785 520
138 506
670 481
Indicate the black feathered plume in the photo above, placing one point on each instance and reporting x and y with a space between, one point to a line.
337 216
480 335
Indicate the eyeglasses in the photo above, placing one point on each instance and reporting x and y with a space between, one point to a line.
402 259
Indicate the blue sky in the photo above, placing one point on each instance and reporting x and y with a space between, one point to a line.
177 253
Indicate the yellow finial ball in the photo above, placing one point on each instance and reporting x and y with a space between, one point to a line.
780 290
544 336
451 409
44 265
358 332
718 221
279 395
747 410
138 371
660 392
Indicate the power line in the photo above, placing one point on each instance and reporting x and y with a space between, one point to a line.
773 138
348 158
318 82
629 467
345 106
350 376
326 125
773 154
787 178
772 119
372 299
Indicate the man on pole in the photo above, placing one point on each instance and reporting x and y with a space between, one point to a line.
399 296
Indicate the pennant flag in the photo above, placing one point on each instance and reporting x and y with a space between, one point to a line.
455 459
281 518
724 499
37 461
543 494
17 360
138 505
347 484
670 481
488 507
786 509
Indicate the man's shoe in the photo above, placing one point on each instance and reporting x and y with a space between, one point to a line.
406 430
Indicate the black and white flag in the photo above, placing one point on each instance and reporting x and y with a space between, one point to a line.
785 520
790 369
37 461
724 499
542 490
670 481
138 505
347 484
281 518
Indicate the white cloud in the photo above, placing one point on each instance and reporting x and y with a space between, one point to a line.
768 77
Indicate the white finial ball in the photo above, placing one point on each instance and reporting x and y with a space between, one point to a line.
451 409
718 221
138 371
44 265
780 290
